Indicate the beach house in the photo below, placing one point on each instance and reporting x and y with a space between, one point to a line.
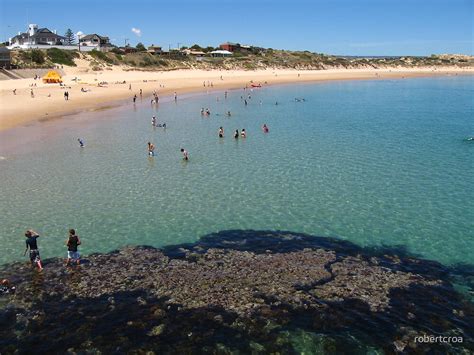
221 53
35 37
155 50
100 43
229 46
193 53
128 49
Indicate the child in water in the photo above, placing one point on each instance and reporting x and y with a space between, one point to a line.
221 132
236 134
151 149
81 142
265 128
243 134
185 154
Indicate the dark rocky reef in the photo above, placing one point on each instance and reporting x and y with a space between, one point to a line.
236 292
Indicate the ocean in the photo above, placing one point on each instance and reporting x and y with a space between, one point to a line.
374 162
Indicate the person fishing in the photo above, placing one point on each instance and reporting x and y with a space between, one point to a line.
32 245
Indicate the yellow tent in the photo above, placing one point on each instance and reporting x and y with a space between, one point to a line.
52 77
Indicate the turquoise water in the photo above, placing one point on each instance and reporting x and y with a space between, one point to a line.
373 162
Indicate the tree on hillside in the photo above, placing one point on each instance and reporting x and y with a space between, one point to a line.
196 47
70 38
140 47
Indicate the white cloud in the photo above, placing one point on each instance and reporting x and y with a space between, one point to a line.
79 34
137 31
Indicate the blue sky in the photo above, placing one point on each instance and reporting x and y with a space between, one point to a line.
357 27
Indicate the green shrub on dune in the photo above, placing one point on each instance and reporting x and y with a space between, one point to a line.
100 55
61 56
37 56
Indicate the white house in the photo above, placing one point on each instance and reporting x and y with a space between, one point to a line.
36 36
221 53
194 53
100 43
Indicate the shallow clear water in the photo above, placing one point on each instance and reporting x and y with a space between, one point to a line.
373 162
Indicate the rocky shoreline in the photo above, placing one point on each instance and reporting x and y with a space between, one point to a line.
235 292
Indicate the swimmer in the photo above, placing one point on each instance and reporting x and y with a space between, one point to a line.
185 154
229 114
221 132
81 142
151 149
236 134
243 134
265 128
153 121
202 111
470 139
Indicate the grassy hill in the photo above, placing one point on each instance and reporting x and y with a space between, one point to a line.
268 58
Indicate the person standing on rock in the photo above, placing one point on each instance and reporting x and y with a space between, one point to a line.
72 243
32 245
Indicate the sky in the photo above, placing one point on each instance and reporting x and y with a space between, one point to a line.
340 27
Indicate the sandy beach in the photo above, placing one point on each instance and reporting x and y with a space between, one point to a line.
48 101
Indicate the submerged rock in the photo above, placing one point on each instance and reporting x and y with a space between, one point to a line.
231 293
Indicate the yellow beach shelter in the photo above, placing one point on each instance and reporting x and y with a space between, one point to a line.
52 77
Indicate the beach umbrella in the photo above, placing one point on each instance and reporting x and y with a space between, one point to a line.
52 77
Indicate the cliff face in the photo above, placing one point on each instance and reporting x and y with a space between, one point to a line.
235 291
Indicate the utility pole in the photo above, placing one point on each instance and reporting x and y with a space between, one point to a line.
125 41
